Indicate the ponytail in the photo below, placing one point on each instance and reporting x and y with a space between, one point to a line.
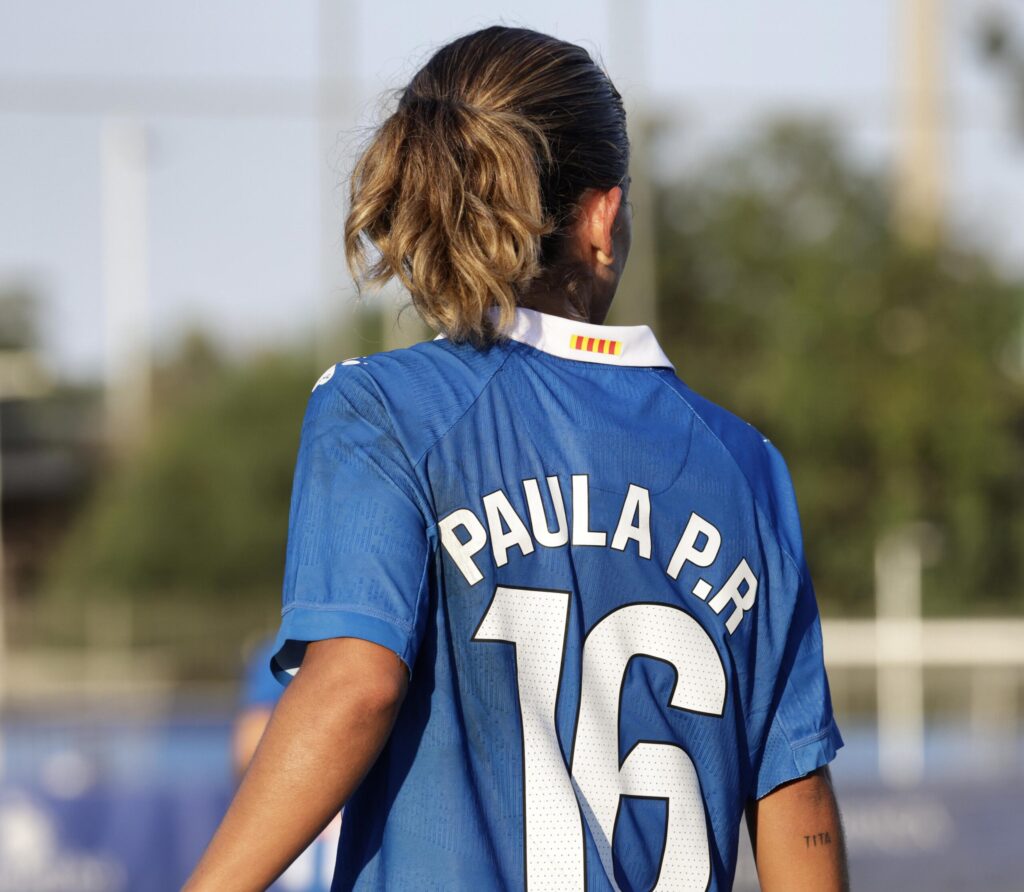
449 195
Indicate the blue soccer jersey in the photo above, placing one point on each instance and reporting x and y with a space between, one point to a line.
597 581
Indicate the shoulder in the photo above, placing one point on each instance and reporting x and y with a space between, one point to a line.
414 394
753 456
738 441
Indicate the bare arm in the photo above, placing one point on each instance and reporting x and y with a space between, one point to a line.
248 730
797 836
325 734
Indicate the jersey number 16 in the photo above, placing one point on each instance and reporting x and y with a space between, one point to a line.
558 799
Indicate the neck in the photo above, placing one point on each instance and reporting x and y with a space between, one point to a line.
571 300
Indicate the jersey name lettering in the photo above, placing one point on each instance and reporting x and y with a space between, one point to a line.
465 533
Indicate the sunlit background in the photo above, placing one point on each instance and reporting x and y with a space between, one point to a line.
829 216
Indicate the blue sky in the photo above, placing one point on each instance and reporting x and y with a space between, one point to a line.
227 90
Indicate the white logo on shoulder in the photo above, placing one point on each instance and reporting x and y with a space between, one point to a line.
325 377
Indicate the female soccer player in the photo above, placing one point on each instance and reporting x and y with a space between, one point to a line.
547 609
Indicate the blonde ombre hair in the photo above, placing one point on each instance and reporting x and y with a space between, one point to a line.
465 192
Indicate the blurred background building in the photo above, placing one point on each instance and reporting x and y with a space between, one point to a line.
828 201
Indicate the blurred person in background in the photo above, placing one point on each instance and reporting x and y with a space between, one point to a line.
313 870
259 695
551 608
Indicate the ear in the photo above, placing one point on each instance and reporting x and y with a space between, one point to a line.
600 209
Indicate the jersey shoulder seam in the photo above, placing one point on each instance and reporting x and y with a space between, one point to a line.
753 494
341 394
483 388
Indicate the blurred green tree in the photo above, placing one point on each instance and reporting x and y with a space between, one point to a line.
891 378
201 511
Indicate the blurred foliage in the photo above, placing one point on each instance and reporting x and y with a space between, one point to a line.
201 512
890 378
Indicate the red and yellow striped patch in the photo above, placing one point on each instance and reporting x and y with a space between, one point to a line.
595 345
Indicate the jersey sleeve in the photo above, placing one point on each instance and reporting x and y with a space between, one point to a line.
802 734
357 559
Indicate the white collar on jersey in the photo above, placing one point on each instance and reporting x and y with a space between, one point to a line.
625 345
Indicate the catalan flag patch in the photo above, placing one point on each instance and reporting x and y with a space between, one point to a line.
595 345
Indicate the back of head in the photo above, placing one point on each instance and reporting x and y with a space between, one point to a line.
466 191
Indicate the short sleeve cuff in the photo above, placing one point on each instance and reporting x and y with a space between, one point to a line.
301 624
806 756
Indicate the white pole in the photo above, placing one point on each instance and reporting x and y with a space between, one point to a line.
920 162
125 237
337 27
900 687
638 300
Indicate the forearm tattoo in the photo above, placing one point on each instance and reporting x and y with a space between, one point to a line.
818 839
